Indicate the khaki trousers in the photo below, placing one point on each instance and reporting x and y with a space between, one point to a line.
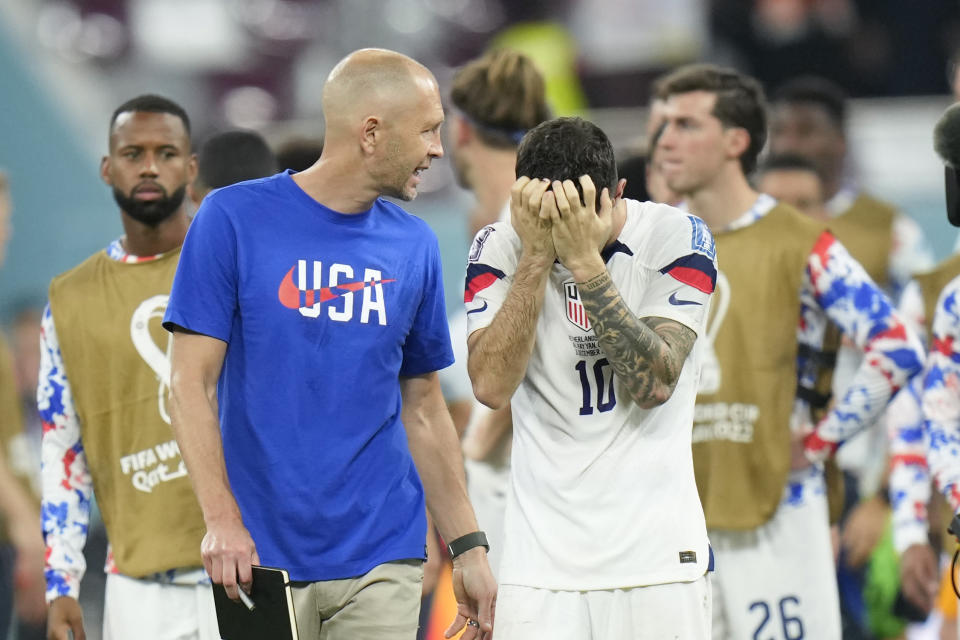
383 603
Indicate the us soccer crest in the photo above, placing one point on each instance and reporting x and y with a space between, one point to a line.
575 311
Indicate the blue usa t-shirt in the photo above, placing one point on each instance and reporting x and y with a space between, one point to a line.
322 312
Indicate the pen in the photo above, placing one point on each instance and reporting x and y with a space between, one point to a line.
245 599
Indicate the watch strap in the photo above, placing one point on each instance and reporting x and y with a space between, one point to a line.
467 542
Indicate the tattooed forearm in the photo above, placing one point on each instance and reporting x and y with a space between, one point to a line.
646 354
595 283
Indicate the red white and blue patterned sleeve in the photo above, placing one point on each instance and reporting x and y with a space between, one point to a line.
66 483
941 396
909 479
840 287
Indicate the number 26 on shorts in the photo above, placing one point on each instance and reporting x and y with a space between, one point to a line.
791 625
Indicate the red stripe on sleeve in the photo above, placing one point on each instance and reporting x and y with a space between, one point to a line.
693 277
478 284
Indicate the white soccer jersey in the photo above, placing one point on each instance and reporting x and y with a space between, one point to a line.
602 492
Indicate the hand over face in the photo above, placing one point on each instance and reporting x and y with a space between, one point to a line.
579 231
526 199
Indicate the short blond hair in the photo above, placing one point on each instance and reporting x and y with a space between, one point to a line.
503 94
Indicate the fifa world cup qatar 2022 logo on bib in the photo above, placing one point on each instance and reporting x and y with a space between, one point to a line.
160 462
711 375
157 357
302 289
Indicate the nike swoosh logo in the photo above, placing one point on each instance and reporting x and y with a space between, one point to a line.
676 301
478 309
289 293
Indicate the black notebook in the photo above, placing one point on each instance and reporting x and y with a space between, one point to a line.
272 616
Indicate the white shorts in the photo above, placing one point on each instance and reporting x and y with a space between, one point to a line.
150 610
487 487
658 612
778 582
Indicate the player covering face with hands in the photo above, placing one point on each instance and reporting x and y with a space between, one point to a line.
582 313
578 231
553 217
563 227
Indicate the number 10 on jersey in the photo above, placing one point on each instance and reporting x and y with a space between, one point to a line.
594 376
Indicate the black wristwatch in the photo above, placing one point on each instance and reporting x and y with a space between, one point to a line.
467 542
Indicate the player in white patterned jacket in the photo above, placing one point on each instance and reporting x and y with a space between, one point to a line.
925 419
783 278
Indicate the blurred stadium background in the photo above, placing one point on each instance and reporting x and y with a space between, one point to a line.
260 64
